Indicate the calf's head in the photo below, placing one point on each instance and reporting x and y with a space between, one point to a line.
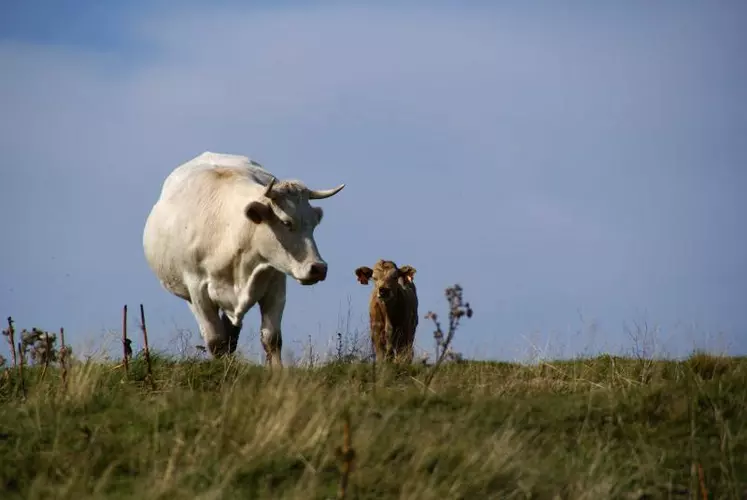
387 278
285 223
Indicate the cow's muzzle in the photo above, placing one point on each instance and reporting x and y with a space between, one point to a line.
317 272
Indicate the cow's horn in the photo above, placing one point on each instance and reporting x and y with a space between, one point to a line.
268 189
324 193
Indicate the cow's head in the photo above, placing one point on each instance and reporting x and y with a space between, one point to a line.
386 277
284 234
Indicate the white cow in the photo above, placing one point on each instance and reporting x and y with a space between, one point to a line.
223 235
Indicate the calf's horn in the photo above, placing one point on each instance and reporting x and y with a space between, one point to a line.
315 194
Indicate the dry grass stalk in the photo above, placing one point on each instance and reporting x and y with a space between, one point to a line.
147 349
127 348
64 352
457 309
48 350
20 371
701 480
347 455
10 335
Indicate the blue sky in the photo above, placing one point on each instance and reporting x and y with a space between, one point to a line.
576 167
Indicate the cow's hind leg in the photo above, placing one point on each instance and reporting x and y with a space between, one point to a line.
271 307
232 331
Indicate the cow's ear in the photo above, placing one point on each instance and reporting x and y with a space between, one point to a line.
408 272
258 212
319 213
364 274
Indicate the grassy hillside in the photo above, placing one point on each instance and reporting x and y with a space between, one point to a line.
596 428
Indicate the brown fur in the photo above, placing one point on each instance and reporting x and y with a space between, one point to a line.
394 317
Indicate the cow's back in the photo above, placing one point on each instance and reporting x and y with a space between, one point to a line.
187 173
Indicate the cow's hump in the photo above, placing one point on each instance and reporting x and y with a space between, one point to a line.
220 163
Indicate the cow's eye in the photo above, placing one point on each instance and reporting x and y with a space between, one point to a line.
288 224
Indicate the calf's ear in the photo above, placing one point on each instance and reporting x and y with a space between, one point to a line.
364 274
258 212
408 272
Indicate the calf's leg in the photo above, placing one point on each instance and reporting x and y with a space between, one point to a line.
378 336
377 340
389 340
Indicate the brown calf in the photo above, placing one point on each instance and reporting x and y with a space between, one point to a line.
393 309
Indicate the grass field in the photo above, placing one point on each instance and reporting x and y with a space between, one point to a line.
590 428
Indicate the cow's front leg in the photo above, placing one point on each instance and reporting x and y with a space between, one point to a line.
223 295
210 324
271 307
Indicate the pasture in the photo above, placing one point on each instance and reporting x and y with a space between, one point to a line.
605 427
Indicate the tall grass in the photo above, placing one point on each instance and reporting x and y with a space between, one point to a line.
605 427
